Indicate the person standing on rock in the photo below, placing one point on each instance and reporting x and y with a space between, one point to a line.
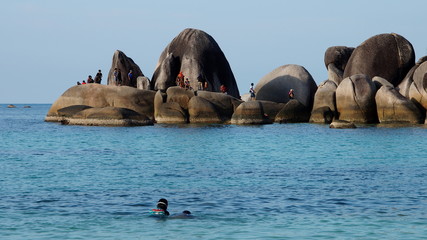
130 75
252 91
98 77
118 77
78 83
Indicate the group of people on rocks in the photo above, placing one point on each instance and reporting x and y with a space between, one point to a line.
202 83
118 76
181 81
98 79
184 82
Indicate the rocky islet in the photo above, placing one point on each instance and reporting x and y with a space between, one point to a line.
376 82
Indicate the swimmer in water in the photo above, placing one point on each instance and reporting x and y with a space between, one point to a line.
161 210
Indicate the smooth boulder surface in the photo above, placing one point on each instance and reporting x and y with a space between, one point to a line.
168 112
201 110
224 104
251 112
324 107
194 53
417 90
275 85
293 112
355 98
107 116
340 124
143 83
392 107
97 95
389 56
336 59
125 64
179 95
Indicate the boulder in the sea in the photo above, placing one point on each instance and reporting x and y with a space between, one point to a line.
392 107
101 96
197 55
324 107
341 124
414 87
201 110
256 112
293 112
250 113
11 106
124 64
107 116
275 85
225 104
355 98
168 112
389 56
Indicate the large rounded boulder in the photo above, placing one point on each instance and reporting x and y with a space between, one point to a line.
101 96
198 56
324 107
293 112
414 85
355 98
107 116
251 112
275 85
225 105
124 64
389 56
336 59
392 107
201 110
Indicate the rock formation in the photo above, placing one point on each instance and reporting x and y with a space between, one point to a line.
124 64
414 86
143 83
392 107
256 112
102 96
293 112
105 116
196 54
389 56
336 59
355 98
324 107
275 85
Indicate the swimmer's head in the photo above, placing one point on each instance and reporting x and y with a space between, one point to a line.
162 204
186 212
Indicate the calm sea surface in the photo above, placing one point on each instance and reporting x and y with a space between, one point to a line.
288 181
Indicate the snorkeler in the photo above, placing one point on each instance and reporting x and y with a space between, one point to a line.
161 210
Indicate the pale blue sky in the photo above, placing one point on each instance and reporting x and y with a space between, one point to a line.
49 45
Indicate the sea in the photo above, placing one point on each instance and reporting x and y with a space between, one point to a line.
277 181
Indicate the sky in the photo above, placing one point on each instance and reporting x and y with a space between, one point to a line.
46 46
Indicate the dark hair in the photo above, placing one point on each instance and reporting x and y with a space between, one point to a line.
162 204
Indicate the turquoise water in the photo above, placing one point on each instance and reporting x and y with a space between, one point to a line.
288 181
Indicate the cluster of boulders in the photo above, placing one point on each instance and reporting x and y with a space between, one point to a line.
377 82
